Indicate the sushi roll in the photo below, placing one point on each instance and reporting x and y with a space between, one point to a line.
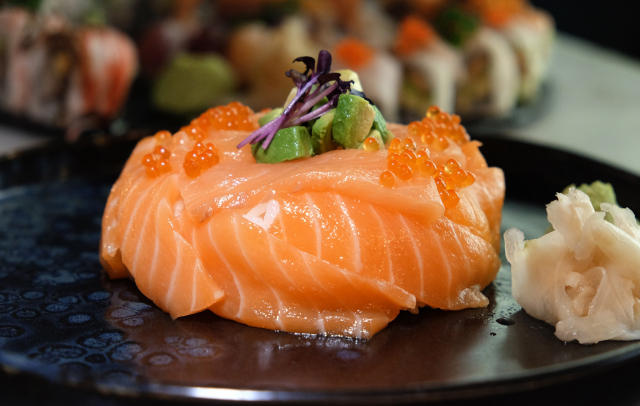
107 65
371 65
530 33
59 75
490 83
261 54
431 68
13 23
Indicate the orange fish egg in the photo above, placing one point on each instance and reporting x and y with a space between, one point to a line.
162 136
409 144
395 146
425 167
370 144
401 170
387 178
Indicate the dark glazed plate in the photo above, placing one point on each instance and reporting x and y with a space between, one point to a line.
62 320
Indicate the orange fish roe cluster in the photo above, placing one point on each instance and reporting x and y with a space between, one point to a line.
414 34
200 158
405 160
438 128
234 116
498 12
157 162
355 54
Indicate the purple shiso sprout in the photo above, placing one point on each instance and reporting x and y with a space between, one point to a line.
327 84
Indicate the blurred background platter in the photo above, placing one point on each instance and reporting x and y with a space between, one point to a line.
160 63
78 66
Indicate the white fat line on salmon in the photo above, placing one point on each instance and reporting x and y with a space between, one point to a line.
383 234
264 214
230 271
354 234
336 298
416 252
316 224
256 271
445 261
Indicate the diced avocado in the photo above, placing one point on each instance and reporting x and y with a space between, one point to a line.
347 75
375 134
321 139
288 144
192 83
270 116
380 124
352 122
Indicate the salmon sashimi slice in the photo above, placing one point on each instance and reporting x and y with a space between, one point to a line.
316 245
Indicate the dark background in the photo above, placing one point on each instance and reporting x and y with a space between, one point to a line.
613 24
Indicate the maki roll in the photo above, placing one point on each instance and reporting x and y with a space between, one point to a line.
59 75
530 33
490 82
372 65
13 22
259 54
431 68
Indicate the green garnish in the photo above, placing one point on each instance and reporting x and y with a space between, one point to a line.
325 112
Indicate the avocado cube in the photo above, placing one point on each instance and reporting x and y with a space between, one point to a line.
321 139
288 144
270 116
352 122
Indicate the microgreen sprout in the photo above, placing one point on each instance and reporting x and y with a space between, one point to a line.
313 85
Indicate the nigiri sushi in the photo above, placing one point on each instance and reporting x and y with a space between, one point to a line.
274 229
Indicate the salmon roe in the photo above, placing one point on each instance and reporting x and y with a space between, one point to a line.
497 12
234 116
438 128
157 162
387 179
354 53
370 144
406 160
414 34
201 157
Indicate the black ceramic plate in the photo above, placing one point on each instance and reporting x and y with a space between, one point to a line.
62 320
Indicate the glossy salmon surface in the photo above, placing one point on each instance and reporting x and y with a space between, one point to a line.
317 245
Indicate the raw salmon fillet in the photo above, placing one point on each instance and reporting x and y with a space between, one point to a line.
315 245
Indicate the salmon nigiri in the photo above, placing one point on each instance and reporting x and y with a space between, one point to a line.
335 242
